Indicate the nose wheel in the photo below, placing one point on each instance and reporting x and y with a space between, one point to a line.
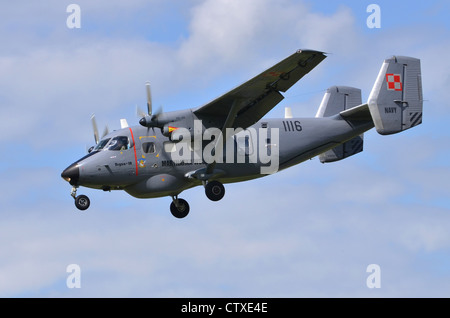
82 201
179 207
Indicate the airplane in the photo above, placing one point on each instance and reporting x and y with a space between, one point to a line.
227 140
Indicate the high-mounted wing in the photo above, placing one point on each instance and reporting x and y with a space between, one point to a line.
250 101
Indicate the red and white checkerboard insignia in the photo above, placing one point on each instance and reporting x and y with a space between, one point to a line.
394 82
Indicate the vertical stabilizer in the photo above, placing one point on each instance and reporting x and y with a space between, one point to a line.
396 100
336 100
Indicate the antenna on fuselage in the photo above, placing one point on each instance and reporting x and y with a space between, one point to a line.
287 112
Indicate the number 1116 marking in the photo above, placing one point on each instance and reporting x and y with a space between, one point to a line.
292 125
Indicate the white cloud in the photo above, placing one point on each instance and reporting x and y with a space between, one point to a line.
226 32
69 76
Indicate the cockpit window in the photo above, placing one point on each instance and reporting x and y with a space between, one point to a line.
119 143
101 144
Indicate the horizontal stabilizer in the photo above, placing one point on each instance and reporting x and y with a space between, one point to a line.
357 113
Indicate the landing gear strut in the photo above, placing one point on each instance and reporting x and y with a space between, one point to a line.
214 190
179 207
82 202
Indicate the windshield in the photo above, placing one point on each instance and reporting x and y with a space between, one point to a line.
101 144
119 143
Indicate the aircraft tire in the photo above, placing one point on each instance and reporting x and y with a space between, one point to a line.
181 211
214 190
82 202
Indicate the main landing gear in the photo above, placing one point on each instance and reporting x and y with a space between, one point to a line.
179 208
82 202
214 190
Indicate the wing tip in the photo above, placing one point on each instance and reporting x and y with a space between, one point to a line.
299 51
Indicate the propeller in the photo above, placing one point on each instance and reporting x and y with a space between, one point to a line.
96 134
95 129
150 119
149 98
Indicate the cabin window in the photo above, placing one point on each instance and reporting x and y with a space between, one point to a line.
244 146
269 146
149 147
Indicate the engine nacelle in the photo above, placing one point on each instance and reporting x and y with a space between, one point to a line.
168 130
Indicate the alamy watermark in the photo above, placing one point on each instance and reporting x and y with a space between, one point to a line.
73 21
374 279
251 145
74 278
374 19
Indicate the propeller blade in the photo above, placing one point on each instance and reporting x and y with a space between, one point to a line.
105 131
150 119
94 127
149 98
158 112
139 112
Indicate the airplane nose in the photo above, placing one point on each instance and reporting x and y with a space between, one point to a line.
71 174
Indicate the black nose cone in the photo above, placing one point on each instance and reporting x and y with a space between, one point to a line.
71 174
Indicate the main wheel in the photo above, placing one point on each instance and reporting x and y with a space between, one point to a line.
82 202
181 211
214 190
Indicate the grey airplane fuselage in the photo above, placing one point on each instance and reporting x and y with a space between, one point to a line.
146 167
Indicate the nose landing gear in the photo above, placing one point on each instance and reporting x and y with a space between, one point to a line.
82 202
179 207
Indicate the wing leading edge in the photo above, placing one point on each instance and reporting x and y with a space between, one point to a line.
256 97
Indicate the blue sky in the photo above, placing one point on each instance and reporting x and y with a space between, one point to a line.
308 231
